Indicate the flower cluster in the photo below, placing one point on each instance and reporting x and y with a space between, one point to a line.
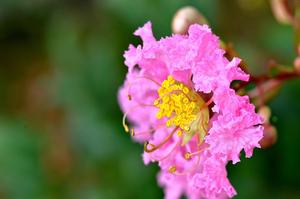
177 97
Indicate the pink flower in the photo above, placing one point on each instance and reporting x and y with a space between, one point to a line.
178 99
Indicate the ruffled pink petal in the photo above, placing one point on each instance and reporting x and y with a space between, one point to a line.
213 179
142 93
229 135
234 72
174 185
146 34
132 56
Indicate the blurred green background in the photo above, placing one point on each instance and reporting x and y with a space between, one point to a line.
61 65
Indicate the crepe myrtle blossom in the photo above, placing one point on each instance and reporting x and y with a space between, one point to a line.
178 99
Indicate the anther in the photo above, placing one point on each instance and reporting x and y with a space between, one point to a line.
171 79
185 90
179 133
156 102
172 169
187 128
168 123
192 169
126 128
187 156
129 97
153 147
124 123
132 132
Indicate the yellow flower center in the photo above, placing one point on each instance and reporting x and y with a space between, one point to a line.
183 107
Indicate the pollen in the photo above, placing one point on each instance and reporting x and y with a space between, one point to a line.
178 103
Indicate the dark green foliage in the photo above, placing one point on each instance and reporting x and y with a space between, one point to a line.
61 64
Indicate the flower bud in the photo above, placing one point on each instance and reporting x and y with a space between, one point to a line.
265 113
270 136
185 17
281 11
297 64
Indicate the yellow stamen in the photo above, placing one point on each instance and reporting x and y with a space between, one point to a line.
175 103
183 107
